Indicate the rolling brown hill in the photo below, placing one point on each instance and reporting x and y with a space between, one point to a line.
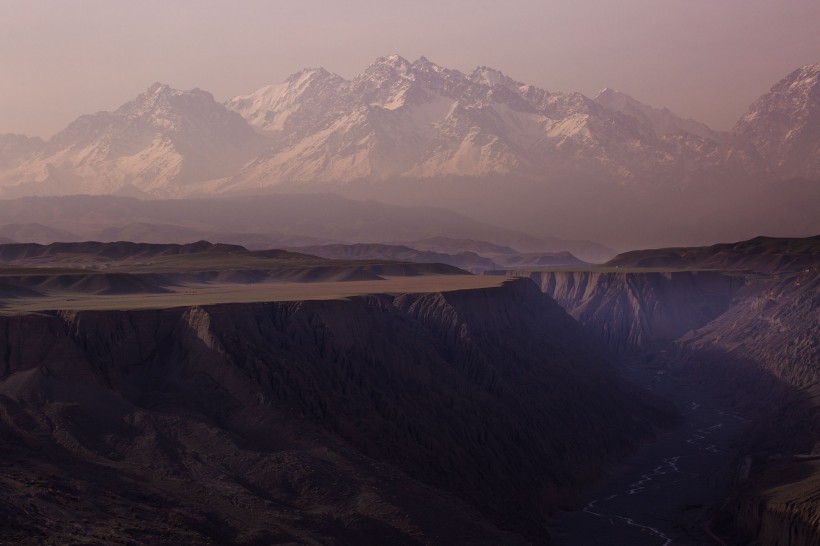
761 254
467 260
62 273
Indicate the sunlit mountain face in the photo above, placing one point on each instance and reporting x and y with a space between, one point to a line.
401 120
480 143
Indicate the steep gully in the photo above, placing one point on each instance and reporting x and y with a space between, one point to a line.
702 341
666 493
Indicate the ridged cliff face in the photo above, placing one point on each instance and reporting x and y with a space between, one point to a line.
459 417
755 337
779 506
640 311
773 323
766 346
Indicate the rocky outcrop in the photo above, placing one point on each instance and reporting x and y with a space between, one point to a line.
461 418
773 324
640 311
778 505
766 348
784 124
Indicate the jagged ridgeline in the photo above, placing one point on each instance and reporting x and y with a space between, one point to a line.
480 143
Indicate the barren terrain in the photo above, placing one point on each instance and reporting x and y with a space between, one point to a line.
122 276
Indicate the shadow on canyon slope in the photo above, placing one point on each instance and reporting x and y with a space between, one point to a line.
747 339
460 417
777 488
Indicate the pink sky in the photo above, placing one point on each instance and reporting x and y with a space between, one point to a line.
706 59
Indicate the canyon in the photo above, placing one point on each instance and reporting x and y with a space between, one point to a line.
666 397
730 333
372 418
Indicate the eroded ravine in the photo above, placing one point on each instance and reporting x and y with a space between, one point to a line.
666 493
370 420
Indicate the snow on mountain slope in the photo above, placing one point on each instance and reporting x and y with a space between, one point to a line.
419 120
784 124
400 120
165 142
305 98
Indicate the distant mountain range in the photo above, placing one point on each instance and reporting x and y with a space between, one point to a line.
277 221
415 132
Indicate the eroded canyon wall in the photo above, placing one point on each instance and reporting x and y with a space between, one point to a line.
463 417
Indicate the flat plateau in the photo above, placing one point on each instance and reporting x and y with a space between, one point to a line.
210 294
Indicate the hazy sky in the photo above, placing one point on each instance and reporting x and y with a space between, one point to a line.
706 59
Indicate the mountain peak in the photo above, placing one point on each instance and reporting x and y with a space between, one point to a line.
784 124
423 63
660 120
159 142
307 73
306 78
802 81
159 92
160 99
394 61
809 70
795 91
486 75
158 88
620 101
608 92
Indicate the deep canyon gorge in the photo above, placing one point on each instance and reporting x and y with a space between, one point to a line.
664 398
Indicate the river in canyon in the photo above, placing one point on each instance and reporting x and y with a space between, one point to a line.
666 493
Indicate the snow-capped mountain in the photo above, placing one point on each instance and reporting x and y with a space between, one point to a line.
784 124
165 142
303 101
422 121
401 121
